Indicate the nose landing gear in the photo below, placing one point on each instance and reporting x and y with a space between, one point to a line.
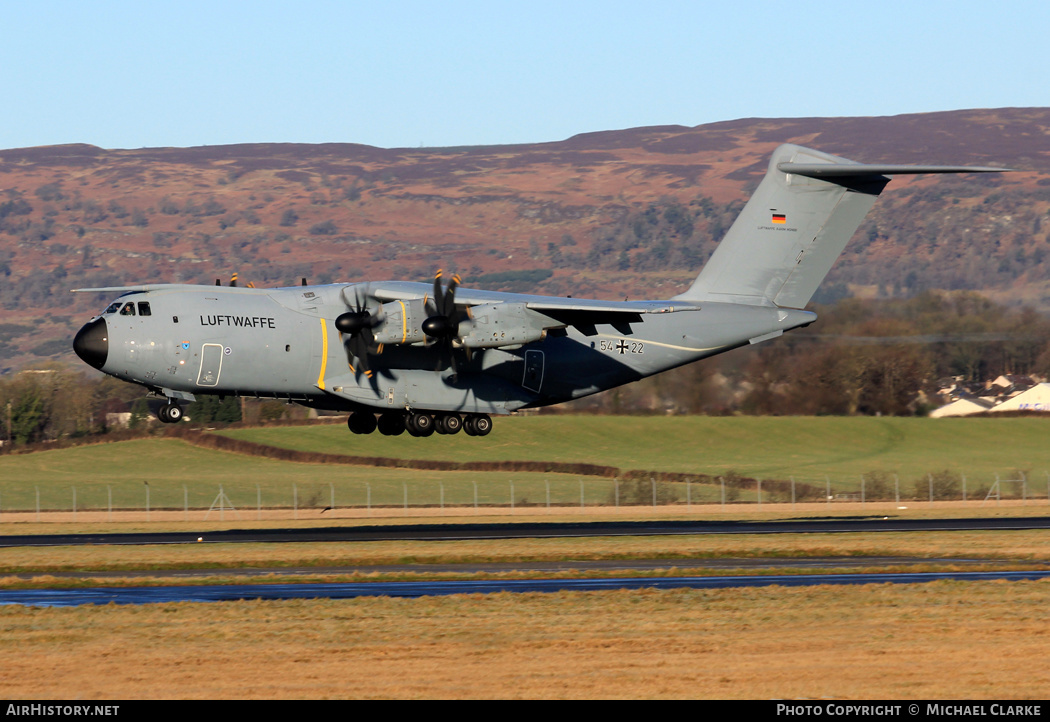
170 413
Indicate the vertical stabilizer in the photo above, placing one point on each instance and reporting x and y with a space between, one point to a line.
795 226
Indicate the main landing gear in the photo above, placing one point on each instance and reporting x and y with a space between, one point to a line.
419 423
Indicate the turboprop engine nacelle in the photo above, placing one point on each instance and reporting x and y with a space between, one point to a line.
494 325
402 322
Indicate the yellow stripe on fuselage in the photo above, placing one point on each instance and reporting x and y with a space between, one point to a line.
324 354
404 321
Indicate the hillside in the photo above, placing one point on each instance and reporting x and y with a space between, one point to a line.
610 214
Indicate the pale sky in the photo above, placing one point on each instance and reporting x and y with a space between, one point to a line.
405 74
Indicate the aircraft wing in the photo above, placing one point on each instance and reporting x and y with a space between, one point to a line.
143 288
564 311
582 312
123 289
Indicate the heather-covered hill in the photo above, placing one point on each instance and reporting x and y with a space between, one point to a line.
615 213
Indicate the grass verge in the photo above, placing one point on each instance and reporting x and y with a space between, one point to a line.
943 640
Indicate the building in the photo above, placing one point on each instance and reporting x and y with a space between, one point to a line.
1036 398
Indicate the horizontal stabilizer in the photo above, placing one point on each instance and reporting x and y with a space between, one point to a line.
828 171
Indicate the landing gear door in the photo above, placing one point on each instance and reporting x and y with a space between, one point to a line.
533 378
211 364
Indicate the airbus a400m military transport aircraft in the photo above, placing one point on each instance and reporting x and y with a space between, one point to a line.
419 357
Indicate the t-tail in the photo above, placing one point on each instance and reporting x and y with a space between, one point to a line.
795 226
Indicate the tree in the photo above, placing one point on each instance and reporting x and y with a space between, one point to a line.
27 414
139 414
324 228
208 409
204 409
229 410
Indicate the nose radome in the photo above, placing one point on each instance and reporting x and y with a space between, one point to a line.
91 343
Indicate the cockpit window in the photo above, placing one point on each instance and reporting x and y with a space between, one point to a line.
128 310
113 307
144 308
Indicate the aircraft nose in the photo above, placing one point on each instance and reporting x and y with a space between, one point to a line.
91 343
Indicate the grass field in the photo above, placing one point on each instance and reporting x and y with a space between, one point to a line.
166 473
175 474
945 640
767 447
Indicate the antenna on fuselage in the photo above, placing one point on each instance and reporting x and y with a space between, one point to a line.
304 280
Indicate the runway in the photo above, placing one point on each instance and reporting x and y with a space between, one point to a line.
233 592
533 530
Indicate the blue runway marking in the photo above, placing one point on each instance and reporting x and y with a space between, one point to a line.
233 592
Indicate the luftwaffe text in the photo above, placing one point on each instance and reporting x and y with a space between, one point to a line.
243 321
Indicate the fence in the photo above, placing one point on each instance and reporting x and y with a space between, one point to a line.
244 500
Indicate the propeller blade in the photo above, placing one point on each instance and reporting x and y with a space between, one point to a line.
359 350
441 325
448 305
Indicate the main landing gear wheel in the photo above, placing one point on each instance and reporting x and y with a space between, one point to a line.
361 422
391 423
419 424
170 413
448 424
478 425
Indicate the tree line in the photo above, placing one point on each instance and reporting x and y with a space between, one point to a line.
53 401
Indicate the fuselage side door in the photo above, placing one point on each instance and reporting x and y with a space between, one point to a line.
533 378
211 364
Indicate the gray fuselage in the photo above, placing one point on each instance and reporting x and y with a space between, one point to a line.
281 343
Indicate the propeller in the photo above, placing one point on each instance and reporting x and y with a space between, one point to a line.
357 323
233 282
441 323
